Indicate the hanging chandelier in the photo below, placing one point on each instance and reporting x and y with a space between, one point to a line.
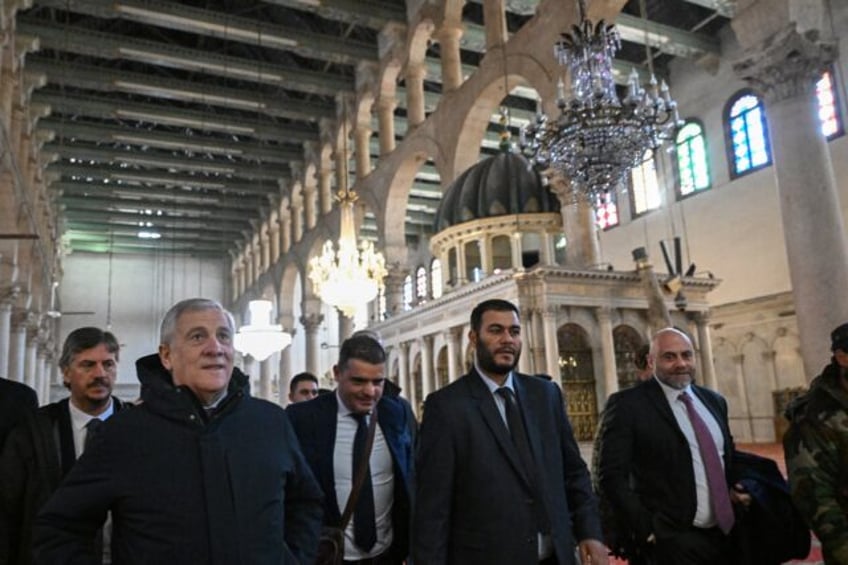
260 338
352 276
598 137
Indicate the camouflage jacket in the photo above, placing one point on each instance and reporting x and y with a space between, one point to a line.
816 448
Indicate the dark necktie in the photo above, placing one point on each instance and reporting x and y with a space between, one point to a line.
519 437
719 495
364 524
90 431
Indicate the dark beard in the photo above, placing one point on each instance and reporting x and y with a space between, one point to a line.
488 365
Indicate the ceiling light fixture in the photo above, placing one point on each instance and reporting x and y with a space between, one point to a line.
260 338
352 276
598 137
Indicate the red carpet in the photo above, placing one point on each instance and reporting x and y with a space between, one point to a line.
772 451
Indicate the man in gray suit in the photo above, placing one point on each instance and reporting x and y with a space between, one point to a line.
500 480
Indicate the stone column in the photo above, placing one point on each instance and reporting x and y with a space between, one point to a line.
448 37
285 369
394 289
581 235
525 362
345 327
786 56
274 235
702 321
43 374
325 188
427 373
452 338
403 372
362 145
604 316
5 336
549 329
31 358
515 244
17 347
265 379
386 122
415 95
311 323
310 212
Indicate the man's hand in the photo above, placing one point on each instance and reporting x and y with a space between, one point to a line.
593 552
739 496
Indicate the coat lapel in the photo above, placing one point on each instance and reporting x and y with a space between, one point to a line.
492 418
531 402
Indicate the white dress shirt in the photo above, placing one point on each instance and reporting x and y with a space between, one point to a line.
79 421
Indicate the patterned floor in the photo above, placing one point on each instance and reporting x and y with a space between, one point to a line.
773 451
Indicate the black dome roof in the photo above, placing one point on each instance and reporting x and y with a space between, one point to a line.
502 185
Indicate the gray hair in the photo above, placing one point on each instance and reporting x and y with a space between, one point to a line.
169 322
85 338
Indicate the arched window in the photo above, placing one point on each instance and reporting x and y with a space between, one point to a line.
606 210
747 134
436 278
421 284
644 186
407 293
692 165
831 120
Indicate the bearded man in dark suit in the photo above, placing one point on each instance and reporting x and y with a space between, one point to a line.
499 474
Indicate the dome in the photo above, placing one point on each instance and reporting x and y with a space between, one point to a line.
502 185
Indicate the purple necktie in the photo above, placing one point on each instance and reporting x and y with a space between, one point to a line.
719 495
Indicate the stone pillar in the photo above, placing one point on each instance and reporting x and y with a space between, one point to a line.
415 95
427 373
285 372
17 348
604 316
309 210
274 236
549 329
394 289
515 244
448 37
265 379
311 323
403 372
362 145
5 336
494 14
386 122
788 48
285 233
452 338
345 327
31 358
582 247
525 362
325 190
42 376
705 344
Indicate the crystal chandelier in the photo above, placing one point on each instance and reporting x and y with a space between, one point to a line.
598 136
260 339
352 276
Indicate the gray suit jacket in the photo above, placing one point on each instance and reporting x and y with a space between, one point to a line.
474 502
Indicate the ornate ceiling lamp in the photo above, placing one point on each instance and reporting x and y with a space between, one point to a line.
351 277
598 136
259 338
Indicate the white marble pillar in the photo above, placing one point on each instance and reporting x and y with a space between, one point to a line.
42 378
311 323
705 344
5 336
31 360
784 63
345 327
525 362
549 329
604 316
452 338
285 376
403 372
265 372
427 373
17 351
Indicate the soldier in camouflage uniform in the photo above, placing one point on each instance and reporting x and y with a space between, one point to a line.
816 448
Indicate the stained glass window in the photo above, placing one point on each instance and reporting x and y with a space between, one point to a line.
606 210
645 187
831 121
748 134
692 164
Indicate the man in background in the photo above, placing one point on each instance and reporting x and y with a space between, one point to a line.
665 453
43 448
303 387
816 449
199 472
500 477
331 426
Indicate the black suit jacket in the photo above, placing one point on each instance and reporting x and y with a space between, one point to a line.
314 424
645 465
474 502
15 400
